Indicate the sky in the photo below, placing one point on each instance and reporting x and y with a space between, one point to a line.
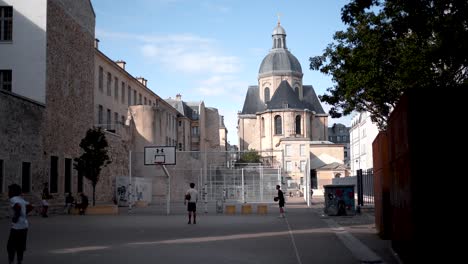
211 50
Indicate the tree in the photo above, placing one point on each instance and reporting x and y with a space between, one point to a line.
250 156
391 46
94 157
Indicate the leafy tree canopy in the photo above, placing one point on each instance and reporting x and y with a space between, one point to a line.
94 157
250 156
391 46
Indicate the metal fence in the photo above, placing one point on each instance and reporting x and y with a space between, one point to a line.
365 187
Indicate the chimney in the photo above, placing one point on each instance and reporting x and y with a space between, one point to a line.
96 43
121 64
178 97
142 80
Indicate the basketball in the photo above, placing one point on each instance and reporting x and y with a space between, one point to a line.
276 199
187 197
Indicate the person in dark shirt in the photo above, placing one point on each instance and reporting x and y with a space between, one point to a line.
83 204
281 202
69 201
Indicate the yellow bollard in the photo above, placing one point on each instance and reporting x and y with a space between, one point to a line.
262 209
230 209
246 209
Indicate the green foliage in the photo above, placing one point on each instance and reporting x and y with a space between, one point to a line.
250 156
391 46
94 157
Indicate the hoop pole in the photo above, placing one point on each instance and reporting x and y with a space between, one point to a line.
168 198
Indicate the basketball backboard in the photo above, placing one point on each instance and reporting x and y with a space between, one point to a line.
160 155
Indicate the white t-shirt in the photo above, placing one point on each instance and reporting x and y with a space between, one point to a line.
22 221
193 195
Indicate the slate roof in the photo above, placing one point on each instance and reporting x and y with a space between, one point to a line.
283 95
182 107
280 61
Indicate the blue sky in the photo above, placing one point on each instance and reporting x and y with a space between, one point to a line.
211 50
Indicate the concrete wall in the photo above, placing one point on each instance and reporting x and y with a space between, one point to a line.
27 62
212 129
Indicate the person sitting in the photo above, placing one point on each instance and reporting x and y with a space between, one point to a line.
83 204
69 201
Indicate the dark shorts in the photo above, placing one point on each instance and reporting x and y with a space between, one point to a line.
281 203
17 240
191 207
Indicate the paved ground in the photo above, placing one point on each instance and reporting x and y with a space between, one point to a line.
148 236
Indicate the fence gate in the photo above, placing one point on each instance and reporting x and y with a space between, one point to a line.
244 184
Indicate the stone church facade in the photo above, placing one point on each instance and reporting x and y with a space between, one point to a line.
284 121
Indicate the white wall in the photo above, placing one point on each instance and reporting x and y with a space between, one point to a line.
362 133
25 55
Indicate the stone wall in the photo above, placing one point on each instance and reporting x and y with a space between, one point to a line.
69 89
20 140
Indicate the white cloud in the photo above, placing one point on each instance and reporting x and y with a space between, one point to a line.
186 53
226 85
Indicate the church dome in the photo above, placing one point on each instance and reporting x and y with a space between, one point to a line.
280 61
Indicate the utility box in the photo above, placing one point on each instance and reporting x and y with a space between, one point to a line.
339 200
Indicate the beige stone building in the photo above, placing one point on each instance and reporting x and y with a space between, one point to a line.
284 120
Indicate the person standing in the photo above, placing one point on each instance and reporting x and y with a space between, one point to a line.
83 205
281 201
19 226
45 199
69 201
191 198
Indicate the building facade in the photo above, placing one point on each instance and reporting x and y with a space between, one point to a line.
284 119
46 93
339 134
362 133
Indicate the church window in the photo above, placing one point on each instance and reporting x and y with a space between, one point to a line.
6 23
5 80
263 127
267 94
278 125
298 124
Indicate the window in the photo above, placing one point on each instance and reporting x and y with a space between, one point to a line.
101 78
195 131
53 174
262 128
267 94
129 95
288 166
100 114
303 165
6 23
26 177
80 182
116 118
145 101
363 150
278 125
109 81
68 174
109 119
149 102
5 80
287 150
298 125
1 176
180 146
134 97
139 101
123 93
123 120
346 154
302 150
116 88
338 138
180 123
